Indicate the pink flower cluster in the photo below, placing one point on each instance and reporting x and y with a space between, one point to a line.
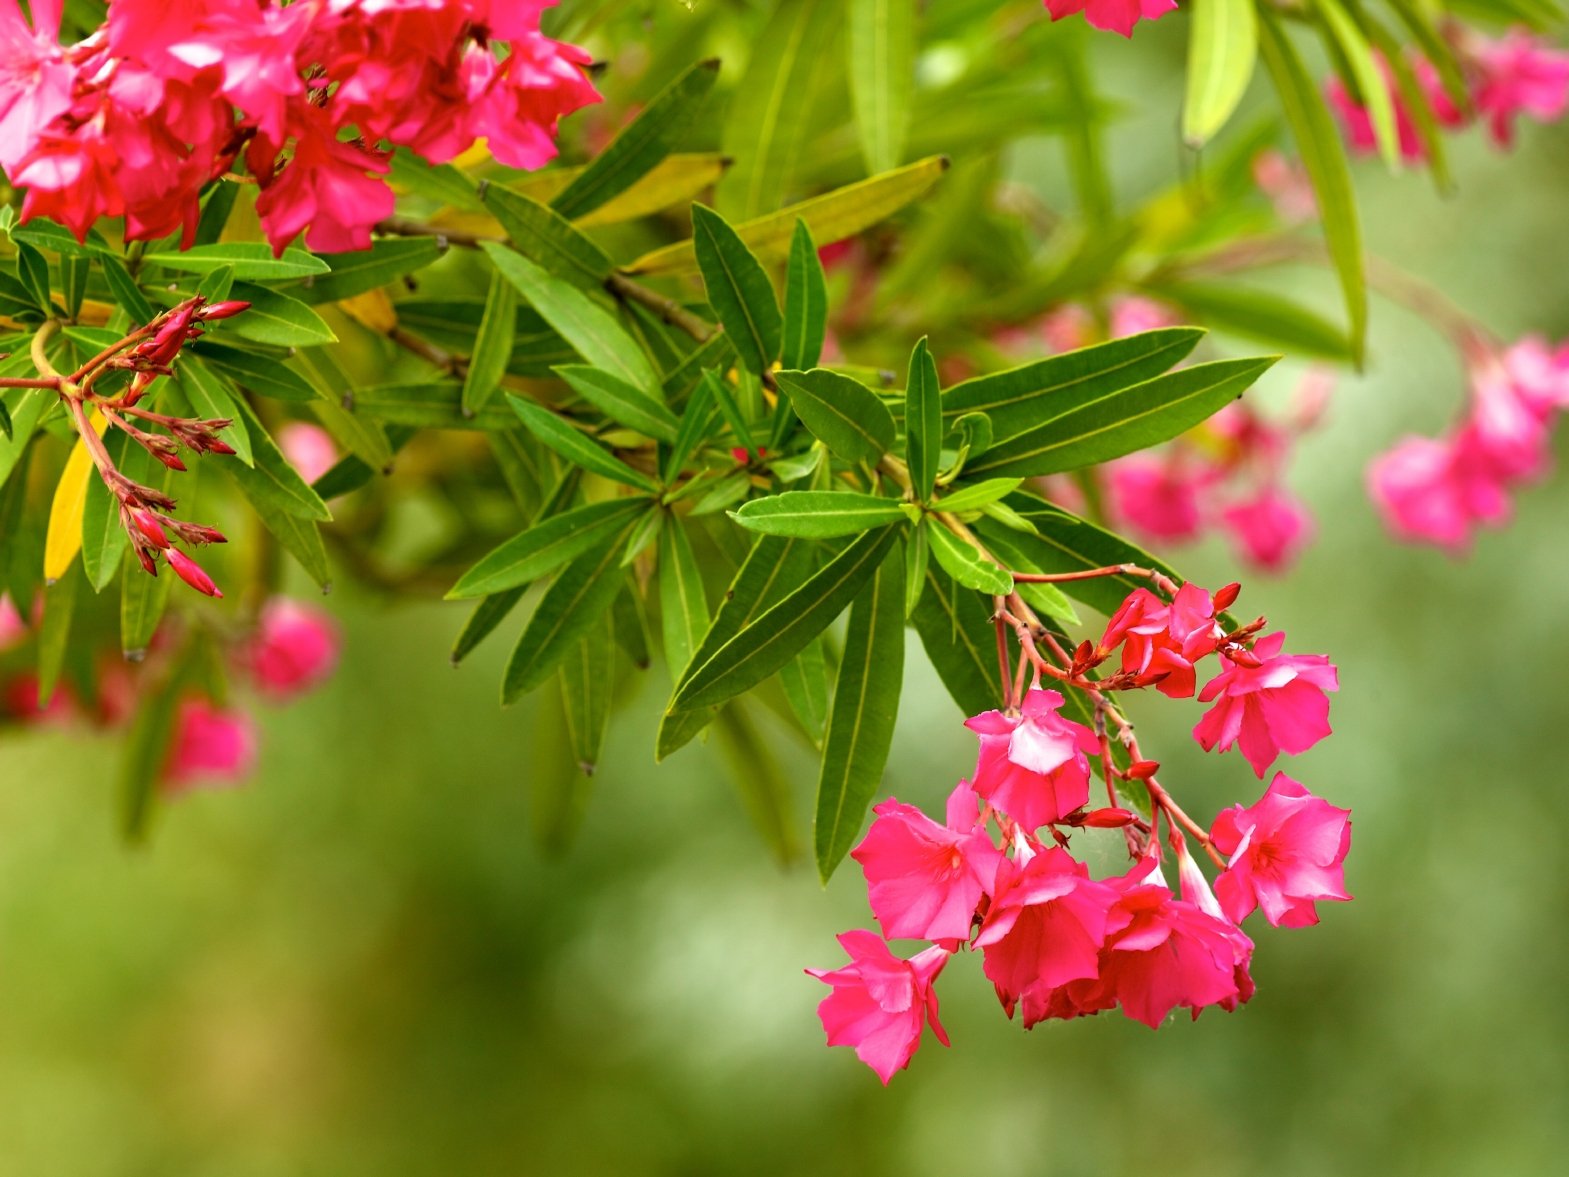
1055 942
1119 16
1440 490
292 650
1514 76
171 94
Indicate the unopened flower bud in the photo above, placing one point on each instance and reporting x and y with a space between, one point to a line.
170 460
191 573
1226 596
145 559
1142 770
1109 818
223 310
147 524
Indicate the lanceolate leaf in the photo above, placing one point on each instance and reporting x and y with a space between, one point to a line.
574 603
841 413
778 635
260 374
1015 551
973 496
923 421
1222 50
1365 73
142 602
146 750
764 789
488 614
882 76
831 217
683 608
804 680
434 404
1122 422
966 565
575 447
301 538
955 628
541 548
277 319
103 539
622 403
543 235
493 345
1261 316
587 681
1020 398
250 260
584 324
272 483
814 514
738 288
696 421
768 118
645 142
806 303
1323 154
363 270
860 726
211 396
60 601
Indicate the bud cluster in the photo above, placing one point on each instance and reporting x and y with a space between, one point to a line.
998 876
169 95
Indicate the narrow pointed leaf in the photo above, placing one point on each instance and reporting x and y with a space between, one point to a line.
54 632
543 235
143 599
1261 316
923 409
1222 51
696 425
806 303
69 505
843 414
492 346
860 726
541 548
211 396
587 680
364 270
103 539
804 680
622 403
489 613
973 496
955 628
765 790
277 319
1122 422
738 288
645 142
881 43
683 608
272 484
574 603
778 635
1365 72
818 514
575 447
966 565
250 260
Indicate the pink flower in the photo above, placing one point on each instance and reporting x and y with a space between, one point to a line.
35 80
1033 767
1133 315
1163 953
1278 706
1044 927
1286 853
294 649
1359 124
1504 433
1160 642
1285 182
1117 15
13 630
924 880
880 1003
210 747
1539 373
1418 492
1271 529
308 448
1159 497
1519 75
327 189
540 82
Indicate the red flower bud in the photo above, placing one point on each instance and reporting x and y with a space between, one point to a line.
1142 770
1108 819
147 524
191 573
170 460
144 557
1226 596
223 310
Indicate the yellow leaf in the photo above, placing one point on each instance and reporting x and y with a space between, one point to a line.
64 539
373 308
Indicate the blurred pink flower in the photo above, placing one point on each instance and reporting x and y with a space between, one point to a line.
1116 15
294 649
210 747
308 448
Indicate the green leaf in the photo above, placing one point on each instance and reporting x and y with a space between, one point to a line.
815 514
1324 157
881 42
977 494
5 421
54 632
860 726
806 303
252 261
956 630
260 374
215 285
489 613
210 397
493 346
831 217
277 319
587 680
33 271
571 606
966 565
1222 50
74 273
1124 421
1261 316
126 292
272 484
645 142
441 183
436 404
337 410
301 538
767 125
683 608
543 235
765 790
738 288
142 602
622 403
1020 398
923 421
1016 550
103 539
842 413
719 392
917 555
542 547
778 635
591 330
45 234
696 423
147 752
576 447
362 270
1369 85
804 680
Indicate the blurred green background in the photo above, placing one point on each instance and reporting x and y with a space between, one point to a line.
363 964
